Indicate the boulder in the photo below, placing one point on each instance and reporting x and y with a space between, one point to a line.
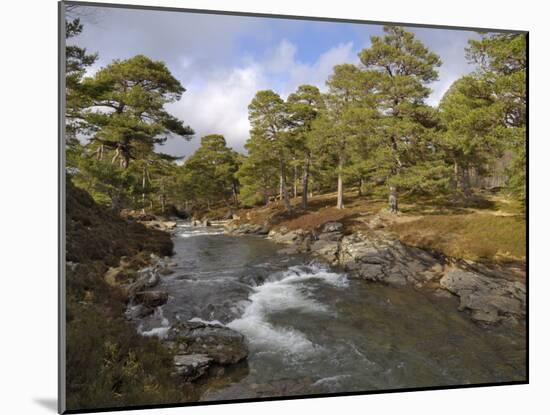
371 272
222 344
147 277
332 227
150 276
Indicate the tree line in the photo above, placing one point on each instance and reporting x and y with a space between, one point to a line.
372 130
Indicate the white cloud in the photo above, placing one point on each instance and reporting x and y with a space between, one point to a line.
219 104
217 101
317 73
282 58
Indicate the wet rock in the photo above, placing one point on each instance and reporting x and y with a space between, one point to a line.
246 229
291 237
395 279
191 366
150 276
326 249
376 256
151 298
222 344
371 272
489 299
135 312
291 250
442 293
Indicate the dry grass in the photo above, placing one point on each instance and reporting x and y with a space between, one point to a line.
476 236
487 227
321 209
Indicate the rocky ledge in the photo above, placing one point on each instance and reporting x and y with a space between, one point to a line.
490 294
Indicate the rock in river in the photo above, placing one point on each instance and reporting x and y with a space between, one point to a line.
222 344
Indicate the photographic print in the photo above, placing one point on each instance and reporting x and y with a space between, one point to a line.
264 207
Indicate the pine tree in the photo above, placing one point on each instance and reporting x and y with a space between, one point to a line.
268 118
303 107
468 113
346 120
406 155
212 170
126 101
256 174
502 66
77 60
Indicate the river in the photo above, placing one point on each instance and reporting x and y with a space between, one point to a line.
311 329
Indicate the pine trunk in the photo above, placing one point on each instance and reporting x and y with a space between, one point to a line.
340 198
143 194
295 182
235 194
465 182
305 180
456 176
283 189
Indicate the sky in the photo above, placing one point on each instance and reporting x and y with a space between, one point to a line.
222 61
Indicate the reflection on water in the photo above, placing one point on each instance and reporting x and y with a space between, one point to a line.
310 329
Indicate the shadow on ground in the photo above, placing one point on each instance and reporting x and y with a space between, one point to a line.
48 403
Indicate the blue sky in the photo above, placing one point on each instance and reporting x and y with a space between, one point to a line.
223 60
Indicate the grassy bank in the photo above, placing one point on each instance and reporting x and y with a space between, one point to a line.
108 363
475 236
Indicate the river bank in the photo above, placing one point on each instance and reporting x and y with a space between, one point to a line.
108 362
115 263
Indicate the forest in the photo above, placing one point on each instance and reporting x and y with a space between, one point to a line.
371 131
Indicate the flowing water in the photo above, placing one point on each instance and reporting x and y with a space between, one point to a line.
311 329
